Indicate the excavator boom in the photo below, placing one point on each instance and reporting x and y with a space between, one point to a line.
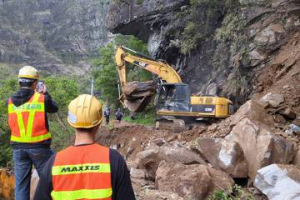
136 95
164 71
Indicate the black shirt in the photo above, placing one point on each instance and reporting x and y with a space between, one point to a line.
21 97
120 179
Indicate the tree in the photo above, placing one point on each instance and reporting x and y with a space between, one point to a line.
105 74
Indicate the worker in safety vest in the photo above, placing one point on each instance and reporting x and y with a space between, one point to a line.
85 170
30 137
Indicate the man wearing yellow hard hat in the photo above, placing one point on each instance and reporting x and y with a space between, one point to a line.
85 170
30 136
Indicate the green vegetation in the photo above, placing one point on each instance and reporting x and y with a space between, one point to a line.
233 193
205 2
198 21
139 2
6 89
232 26
147 117
191 37
62 90
105 72
200 18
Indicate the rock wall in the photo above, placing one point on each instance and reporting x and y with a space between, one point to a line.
217 48
52 34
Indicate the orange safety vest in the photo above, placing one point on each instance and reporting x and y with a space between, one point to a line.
27 122
82 173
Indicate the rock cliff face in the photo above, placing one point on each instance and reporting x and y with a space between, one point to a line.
217 47
51 34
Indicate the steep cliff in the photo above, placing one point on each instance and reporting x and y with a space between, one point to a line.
218 47
51 34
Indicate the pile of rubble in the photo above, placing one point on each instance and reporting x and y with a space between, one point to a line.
196 169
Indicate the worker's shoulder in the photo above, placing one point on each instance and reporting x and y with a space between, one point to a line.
115 153
115 157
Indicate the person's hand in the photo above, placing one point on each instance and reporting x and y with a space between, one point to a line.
41 89
44 90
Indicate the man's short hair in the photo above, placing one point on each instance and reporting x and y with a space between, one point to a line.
88 130
26 82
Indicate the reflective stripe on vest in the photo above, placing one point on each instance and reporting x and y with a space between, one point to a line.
82 194
32 111
82 173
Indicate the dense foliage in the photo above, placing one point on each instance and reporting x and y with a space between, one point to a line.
6 89
200 24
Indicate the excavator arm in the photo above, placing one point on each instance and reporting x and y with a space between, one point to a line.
164 71
136 95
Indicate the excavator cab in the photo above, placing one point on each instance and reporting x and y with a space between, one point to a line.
173 97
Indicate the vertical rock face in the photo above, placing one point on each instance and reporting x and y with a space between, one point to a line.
216 47
51 34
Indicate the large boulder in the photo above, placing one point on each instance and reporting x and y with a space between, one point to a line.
254 111
279 181
225 155
260 145
192 182
273 99
150 158
296 160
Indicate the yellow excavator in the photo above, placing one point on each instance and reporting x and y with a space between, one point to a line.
175 106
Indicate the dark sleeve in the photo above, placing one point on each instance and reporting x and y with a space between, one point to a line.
45 186
121 183
50 104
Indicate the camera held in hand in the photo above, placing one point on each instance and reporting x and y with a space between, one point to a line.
40 86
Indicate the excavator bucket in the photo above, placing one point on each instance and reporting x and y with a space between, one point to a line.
137 95
137 105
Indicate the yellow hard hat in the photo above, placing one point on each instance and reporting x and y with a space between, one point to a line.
28 72
85 112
